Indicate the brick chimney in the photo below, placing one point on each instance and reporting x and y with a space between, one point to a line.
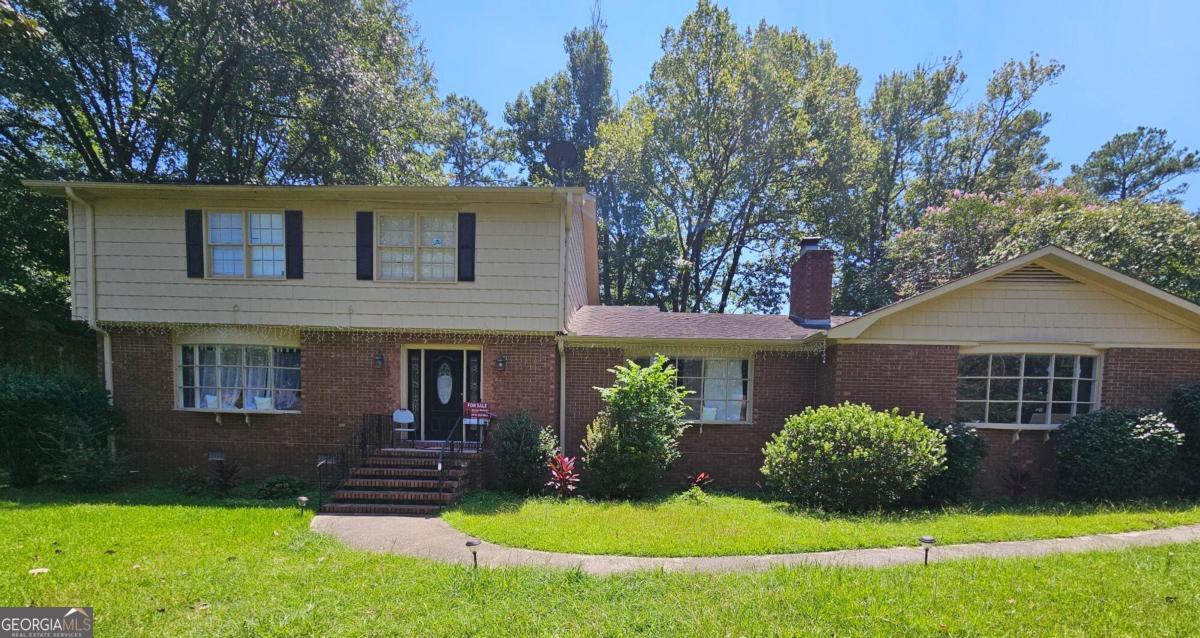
812 285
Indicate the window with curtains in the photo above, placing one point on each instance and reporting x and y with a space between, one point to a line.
417 247
239 377
244 243
720 388
1025 389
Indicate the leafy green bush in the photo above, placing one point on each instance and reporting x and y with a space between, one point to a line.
50 420
523 450
1117 454
277 487
79 457
965 450
222 477
852 458
1184 412
636 436
190 481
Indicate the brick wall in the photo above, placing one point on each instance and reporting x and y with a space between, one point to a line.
782 386
1029 461
914 378
1145 377
339 383
587 369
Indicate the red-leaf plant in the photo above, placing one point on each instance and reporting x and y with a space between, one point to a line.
701 480
563 476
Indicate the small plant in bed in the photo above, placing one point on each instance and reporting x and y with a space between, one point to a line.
523 448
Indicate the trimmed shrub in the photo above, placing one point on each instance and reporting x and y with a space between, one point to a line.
50 421
1117 454
852 458
277 487
636 436
1184 412
965 450
223 477
523 450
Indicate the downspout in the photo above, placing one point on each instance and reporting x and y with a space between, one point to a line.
562 397
93 304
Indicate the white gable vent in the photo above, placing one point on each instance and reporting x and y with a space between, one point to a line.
1033 274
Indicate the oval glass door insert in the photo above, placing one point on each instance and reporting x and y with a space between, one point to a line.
445 383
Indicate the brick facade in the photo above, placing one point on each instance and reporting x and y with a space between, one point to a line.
1145 377
339 383
782 385
914 378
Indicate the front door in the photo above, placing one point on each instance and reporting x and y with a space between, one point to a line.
443 392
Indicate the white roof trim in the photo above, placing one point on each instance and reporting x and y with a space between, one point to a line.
1137 292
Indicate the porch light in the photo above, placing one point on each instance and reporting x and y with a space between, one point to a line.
927 542
302 501
501 362
378 359
471 545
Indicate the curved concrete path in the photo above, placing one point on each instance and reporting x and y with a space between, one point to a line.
435 539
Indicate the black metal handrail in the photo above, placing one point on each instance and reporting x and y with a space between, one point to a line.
368 440
447 445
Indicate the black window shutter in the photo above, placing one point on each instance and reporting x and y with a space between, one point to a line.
365 223
466 246
293 239
193 228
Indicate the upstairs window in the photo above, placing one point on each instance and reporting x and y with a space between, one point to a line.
414 247
1025 389
720 388
246 243
232 378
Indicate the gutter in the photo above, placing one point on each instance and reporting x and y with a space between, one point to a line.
93 305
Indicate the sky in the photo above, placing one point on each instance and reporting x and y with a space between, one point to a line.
1128 64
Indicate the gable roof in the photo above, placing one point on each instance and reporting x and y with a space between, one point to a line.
1055 259
648 322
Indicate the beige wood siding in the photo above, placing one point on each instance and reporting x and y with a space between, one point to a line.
1030 312
79 264
141 263
577 292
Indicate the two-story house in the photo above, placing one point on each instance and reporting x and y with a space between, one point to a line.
260 324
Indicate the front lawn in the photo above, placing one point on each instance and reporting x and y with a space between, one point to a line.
155 564
722 525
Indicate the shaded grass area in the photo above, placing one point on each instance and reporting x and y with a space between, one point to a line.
728 524
197 567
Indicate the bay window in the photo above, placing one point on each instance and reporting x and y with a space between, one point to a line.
1025 389
239 378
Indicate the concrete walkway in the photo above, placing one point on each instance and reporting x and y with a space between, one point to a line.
434 539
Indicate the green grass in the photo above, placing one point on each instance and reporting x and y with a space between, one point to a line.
154 564
722 525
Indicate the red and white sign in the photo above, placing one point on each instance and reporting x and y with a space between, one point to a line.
476 413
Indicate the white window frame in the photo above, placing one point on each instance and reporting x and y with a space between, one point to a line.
749 385
180 388
1093 404
417 246
247 247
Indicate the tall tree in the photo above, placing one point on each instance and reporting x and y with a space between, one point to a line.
1136 165
229 91
477 154
724 141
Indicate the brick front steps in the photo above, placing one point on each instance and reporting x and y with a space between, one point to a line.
402 482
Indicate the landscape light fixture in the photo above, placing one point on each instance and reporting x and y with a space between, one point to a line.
471 545
302 501
927 542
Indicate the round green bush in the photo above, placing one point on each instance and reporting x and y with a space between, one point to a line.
1117 454
523 450
852 458
281 486
1184 412
965 449
628 447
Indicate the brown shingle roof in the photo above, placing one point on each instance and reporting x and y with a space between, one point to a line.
648 322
